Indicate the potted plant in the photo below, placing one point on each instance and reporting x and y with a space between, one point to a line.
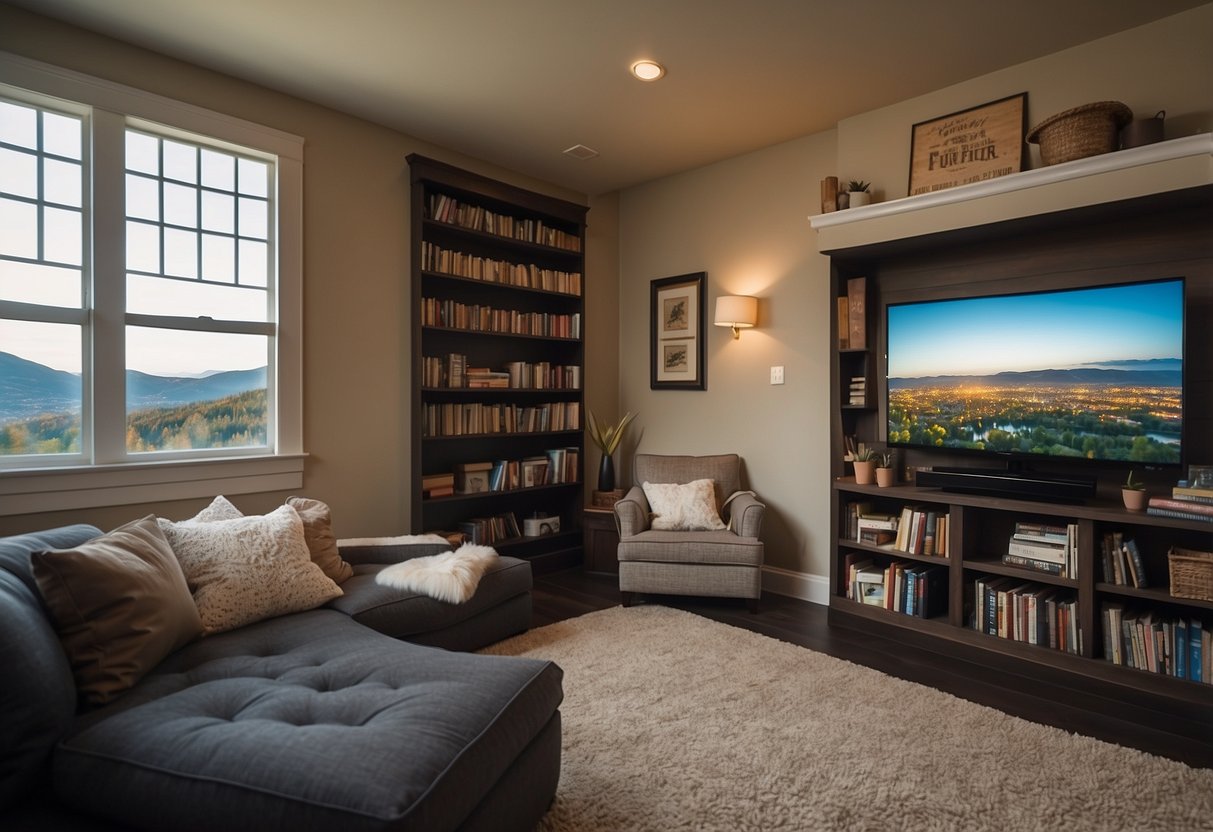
885 475
1133 493
607 438
865 466
858 189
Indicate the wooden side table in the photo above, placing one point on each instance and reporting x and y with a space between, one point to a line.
601 540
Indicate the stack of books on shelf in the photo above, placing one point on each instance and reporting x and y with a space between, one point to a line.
859 391
922 531
437 485
484 378
1122 562
447 209
1179 647
1187 502
876 529
909 588
1044 548
1033 613
490 530
436 259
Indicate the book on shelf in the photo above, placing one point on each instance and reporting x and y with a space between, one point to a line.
876 537
857 310
878 521
918 531
1040 546
438 485
844 324
1180 509
1192 493
1023 562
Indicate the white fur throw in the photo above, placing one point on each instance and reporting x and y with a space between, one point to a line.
450 576
399 540
690 507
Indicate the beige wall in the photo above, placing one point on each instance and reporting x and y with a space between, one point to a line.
744 222
356 277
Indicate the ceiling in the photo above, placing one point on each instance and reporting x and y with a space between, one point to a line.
515 82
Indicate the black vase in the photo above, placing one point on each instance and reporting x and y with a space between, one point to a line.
606 474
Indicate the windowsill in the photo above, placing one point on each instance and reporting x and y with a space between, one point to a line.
64 489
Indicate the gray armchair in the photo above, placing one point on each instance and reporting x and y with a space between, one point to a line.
725 563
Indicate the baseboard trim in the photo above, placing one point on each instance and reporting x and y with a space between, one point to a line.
801 585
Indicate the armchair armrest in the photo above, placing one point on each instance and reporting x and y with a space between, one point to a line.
355 551
632 513
745 513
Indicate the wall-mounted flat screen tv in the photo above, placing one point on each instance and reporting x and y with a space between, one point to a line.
1084 374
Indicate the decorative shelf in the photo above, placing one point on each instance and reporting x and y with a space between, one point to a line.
1110 177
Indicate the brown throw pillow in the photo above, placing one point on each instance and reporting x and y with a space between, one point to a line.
321 543
120 605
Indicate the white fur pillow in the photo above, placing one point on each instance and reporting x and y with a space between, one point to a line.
449 576
248 568
690 507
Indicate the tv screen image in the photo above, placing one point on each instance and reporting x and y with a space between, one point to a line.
1087 374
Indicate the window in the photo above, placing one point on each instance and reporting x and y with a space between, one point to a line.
149 297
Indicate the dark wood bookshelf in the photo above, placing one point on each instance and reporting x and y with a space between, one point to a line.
1153 237
439 454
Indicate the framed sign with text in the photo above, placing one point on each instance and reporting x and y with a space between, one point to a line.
972 145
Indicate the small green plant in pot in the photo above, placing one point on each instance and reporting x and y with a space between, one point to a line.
865 466
885 475
1133 492
860 195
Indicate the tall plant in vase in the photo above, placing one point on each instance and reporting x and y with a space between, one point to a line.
607 438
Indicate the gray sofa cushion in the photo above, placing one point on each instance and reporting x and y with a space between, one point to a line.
38 695
312 721
404 614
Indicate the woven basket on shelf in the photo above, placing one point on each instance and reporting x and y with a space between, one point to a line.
1083 131
1191 573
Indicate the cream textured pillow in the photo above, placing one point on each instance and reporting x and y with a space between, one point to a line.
221 508
120 604
686 508
249 568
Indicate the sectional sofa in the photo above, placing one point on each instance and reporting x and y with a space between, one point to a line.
324 719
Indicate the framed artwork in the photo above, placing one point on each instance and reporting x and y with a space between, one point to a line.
972 145
676 352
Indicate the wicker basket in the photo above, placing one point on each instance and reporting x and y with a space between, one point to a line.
1083 131
1191 573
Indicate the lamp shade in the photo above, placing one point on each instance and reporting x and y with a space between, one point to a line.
737 311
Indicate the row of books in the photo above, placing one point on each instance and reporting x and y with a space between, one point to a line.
909 588
1121 561
447 209
1148 640
475 317
434 258
489 530
858 391
1187 502
1044 547
922 532
451 371
554 467
455 419
1012 609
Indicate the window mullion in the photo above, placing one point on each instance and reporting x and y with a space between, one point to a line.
108 295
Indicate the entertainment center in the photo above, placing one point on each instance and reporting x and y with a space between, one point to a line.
1132 218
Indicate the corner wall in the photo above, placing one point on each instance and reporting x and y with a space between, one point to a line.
744 221
356 278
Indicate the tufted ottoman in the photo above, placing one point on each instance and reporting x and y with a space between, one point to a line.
313 722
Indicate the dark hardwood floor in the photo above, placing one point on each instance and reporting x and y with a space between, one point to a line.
573 592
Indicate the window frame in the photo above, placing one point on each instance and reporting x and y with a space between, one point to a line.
114 476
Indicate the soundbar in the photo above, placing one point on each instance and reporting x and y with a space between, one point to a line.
998 483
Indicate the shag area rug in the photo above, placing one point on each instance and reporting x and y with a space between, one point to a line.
675 722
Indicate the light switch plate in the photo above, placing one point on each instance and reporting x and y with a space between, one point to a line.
777 375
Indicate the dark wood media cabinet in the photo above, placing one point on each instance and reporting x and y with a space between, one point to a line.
1142 238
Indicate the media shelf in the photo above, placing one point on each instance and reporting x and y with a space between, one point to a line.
1158 236
498 279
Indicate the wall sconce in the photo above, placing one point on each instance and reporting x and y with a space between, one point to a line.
736 311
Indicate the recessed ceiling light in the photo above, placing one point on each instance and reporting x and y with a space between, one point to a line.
648 70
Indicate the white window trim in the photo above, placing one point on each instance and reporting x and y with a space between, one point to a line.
28 490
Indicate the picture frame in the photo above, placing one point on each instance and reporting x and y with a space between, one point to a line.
676 335
967 146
